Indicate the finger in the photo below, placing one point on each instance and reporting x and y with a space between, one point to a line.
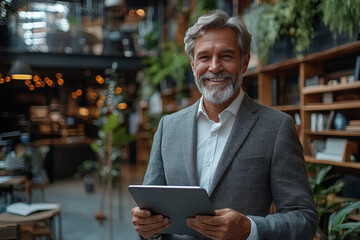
194 223
136 211
152 227
221 212
149 233
209 220
205 231
148 220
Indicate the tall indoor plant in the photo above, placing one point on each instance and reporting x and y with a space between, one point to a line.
111 120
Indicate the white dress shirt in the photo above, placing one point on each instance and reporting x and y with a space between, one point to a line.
211 140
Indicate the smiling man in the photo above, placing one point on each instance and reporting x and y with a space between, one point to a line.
244 154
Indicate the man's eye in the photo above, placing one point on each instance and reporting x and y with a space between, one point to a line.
227 57
202 58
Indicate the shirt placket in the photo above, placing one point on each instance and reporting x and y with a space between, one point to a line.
210 151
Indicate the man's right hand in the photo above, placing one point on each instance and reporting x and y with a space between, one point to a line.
147 225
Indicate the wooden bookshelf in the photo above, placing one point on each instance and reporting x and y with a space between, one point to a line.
311 97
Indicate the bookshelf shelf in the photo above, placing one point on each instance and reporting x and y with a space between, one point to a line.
324 88
333 133
287 108
334 106
353 165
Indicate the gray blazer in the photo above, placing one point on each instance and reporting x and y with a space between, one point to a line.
262 162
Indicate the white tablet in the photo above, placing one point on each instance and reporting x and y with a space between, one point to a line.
175 202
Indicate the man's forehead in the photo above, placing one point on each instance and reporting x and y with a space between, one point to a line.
225 38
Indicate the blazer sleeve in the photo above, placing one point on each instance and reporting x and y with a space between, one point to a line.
155 171
296 217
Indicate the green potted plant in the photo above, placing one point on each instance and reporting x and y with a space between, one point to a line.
111 120
171 66
340 225
324 185
88 171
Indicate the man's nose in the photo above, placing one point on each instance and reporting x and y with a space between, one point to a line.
215 65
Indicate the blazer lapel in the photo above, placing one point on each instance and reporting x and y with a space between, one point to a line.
188 141
244 121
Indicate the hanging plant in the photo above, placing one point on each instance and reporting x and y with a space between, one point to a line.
292 18
341 16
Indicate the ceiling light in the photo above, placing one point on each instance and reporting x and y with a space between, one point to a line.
20 70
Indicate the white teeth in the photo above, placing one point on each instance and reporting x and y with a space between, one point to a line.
216 79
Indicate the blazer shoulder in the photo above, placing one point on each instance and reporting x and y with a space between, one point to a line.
181 114
251 106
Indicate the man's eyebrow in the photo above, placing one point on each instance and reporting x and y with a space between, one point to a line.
204 52
231 51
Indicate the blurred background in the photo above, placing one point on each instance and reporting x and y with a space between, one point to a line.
83 84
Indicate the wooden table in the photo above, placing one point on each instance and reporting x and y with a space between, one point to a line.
28 224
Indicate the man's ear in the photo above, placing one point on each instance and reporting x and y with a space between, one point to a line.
246 61
192 65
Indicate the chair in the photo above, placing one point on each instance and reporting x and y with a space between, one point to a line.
9 232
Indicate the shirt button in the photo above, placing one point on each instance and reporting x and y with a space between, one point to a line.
207 163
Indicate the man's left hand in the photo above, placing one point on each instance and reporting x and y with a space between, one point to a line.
226 224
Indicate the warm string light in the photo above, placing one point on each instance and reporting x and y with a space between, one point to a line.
122 106
139 12
39 83
99 79
36 81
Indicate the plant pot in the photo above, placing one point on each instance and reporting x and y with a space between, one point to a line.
282 50
89 185
324 39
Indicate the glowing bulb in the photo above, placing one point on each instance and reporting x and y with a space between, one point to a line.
118 90
140 12
122 106
60 81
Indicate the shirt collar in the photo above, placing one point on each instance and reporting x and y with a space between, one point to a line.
233 107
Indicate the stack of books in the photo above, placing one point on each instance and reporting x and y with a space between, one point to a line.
354 125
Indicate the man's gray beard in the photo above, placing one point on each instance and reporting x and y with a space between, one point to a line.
219 94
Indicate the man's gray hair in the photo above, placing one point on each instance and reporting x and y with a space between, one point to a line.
218 19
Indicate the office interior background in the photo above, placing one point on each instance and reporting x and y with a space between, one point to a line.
83 85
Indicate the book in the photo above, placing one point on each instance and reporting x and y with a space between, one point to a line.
352 128
334 150
175 202
330 120
275 91
24 209
354 122
357 68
